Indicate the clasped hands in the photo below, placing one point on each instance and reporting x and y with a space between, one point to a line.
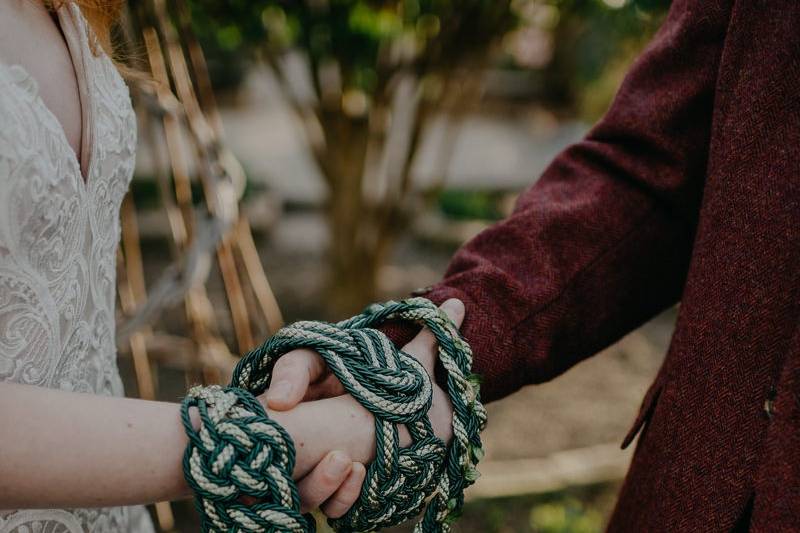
334 435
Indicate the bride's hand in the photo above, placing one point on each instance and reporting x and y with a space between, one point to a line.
329 419
333 434
332 483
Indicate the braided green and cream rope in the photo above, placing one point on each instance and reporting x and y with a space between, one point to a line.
239 452
395 388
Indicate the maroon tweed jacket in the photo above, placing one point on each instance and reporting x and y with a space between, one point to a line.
688 189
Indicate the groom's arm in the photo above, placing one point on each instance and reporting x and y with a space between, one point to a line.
601 243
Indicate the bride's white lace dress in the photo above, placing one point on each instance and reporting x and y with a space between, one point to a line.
58 242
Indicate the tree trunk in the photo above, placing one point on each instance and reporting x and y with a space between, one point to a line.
352 279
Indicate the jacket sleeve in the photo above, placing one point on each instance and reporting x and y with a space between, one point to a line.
602 241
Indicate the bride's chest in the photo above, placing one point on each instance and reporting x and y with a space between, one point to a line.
60 228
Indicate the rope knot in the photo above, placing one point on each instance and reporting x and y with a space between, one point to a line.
238 452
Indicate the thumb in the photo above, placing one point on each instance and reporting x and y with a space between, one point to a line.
423 346
291 377
454 308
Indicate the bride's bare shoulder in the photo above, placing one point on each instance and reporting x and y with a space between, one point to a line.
30 37
29 33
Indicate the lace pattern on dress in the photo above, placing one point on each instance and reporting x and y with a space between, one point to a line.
58 244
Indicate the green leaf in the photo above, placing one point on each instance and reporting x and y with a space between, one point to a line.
471 474
477 453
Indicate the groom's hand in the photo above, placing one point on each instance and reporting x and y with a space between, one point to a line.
302 375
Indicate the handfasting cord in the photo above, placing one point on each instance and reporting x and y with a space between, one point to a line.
395 388
239 452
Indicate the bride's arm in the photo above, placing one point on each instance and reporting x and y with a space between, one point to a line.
64 449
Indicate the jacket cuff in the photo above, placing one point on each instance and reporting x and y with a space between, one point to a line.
402 332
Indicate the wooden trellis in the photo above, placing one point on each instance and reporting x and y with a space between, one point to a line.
176 110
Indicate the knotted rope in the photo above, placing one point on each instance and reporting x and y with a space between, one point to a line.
395 388
239 452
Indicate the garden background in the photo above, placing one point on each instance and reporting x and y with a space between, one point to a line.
372 138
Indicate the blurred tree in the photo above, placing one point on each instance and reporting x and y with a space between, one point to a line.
579 50
374 72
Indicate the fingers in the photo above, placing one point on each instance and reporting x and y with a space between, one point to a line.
423 346
348 493
329 387
324 480
454 308
301 374
291 377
